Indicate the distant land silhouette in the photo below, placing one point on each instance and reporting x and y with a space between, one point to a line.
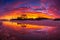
30 19
57 19
3 20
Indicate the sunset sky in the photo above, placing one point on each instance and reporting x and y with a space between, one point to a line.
14 8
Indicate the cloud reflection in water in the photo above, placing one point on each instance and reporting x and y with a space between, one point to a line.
19 26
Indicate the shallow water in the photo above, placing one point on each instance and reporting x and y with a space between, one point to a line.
29 30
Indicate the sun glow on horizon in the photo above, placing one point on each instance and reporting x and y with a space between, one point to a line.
27 15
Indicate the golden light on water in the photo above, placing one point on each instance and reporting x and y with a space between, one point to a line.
18 26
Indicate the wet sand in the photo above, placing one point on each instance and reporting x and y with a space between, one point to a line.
30 30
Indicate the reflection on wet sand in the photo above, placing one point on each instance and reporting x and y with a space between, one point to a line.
23 31
18 26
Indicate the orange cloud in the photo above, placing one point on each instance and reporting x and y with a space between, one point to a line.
34 15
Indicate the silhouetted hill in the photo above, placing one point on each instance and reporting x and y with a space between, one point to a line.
30 19
3 20
57 19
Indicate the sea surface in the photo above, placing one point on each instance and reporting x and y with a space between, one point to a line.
30 30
